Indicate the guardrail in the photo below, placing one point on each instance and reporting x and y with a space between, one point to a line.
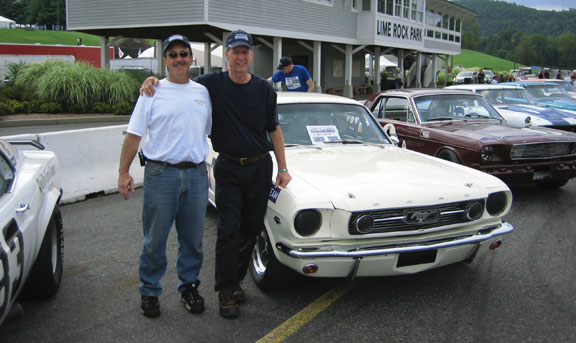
89 159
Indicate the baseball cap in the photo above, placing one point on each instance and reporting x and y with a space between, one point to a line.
284 62
237 38
175 38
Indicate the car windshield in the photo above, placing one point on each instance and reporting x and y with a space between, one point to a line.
548 91
454 107
465 74
507 96
313 124
6 175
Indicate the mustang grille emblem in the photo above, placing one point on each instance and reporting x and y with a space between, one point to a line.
422 217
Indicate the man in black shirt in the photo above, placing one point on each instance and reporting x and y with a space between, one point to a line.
244 115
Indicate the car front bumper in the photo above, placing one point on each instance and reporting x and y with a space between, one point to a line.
391 260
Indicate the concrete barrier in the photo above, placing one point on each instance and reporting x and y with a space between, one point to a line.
88 158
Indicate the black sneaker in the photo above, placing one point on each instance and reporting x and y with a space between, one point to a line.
149 306
239 296
192 299
228 306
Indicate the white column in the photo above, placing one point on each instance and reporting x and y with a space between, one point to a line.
419 70
348 89
401 66
158 51
224 62
104 54
207 57
317 65
376 86
434 80
276 55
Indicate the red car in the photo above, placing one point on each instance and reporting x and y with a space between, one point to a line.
464 128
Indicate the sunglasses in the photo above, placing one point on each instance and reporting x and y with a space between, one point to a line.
174 54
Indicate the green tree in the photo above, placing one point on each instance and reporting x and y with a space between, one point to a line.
469 33
524 53
13 9
49 13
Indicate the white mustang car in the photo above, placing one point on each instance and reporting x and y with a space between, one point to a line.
360 206
32 241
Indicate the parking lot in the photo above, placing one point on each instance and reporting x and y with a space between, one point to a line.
524 291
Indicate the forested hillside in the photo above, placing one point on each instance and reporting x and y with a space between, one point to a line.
496 16
521 34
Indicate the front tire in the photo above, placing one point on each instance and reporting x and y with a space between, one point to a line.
266 271
46 275
448 155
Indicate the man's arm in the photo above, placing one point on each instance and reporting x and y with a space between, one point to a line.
148 86
129 150
310 84
283 177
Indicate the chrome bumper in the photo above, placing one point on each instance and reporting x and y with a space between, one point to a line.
503 229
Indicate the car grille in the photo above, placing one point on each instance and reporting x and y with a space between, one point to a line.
414 218
542 150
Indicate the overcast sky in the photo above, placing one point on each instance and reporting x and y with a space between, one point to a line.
557 5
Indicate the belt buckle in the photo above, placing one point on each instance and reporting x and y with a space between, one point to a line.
243 160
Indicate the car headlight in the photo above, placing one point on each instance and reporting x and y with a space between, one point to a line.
487 153
496 203
307 222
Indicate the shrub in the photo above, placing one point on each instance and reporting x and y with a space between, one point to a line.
50 107
100 107
123 108
6 109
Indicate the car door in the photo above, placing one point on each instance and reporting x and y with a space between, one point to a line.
18 201
396 110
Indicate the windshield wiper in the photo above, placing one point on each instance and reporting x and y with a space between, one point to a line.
345 141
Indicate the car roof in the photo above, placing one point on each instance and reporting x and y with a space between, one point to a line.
484 86
426 91
531 83
300 97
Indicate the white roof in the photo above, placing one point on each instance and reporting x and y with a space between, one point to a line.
483 86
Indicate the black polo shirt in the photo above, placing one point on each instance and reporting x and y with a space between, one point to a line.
242 114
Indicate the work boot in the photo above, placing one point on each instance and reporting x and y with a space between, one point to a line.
228 305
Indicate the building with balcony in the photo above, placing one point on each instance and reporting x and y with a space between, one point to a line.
330 37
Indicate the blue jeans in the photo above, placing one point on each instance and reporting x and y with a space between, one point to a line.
172 195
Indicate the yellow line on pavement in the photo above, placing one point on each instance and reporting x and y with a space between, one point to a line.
290 326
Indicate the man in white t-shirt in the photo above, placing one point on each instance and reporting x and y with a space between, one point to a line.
174 124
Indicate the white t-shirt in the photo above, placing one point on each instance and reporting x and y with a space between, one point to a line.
174 122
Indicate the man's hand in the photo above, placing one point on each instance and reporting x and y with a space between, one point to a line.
148 86
125 185
283 179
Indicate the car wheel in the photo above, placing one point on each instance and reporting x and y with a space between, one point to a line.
554 184
46 275
448 156
266 271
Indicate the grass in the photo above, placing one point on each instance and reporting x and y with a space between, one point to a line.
470 59
47 37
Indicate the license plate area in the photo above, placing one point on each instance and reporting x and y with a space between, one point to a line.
415 258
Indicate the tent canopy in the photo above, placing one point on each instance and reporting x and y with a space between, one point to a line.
6 23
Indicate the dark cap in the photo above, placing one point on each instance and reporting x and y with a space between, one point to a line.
284 62
239 37
175 38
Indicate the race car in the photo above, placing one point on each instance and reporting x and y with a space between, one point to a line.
32 240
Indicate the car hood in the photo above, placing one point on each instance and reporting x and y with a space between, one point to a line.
493 132
564 103
367 177
549 116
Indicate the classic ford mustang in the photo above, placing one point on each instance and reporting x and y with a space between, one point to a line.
464 128
31 245
358 205
549 94
520 109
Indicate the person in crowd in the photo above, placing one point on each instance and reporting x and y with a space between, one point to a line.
398 78
572 79
480 76
541 73
175 124
560 75
495 80
294 77
245 128
546 73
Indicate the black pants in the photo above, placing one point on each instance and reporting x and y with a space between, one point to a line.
241 199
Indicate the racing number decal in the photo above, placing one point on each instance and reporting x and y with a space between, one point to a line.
4 281
13 235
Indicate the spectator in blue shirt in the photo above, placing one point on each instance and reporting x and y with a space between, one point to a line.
295 77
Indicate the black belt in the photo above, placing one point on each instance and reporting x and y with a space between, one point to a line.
244 160
181 165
